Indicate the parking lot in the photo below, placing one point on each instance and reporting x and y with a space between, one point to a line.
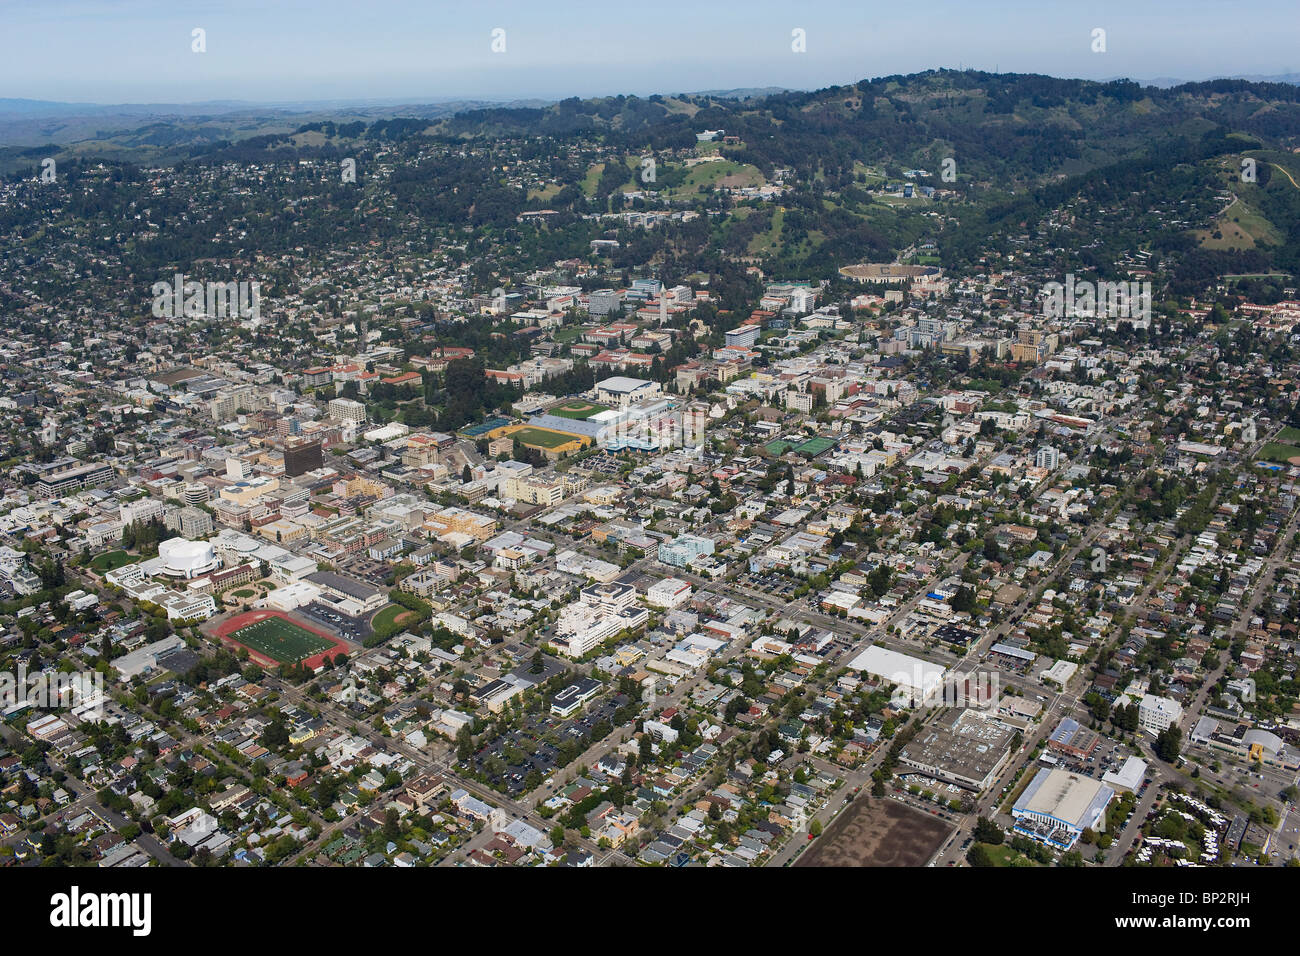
1107 758
536 744
349 628
778 585
601 464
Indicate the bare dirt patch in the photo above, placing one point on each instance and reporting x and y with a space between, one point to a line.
877 832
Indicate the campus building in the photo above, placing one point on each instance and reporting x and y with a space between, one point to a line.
351 596
188 605
179 558
602 611
621 391
1058 806
56 483
191 522
915 679
347 410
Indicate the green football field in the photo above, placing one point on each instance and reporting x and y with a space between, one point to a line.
542 439
281 640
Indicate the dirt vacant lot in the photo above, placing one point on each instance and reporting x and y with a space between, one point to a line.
877 832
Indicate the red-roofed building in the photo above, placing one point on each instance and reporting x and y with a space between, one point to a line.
407 378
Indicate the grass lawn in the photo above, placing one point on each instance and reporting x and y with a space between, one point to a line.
569 333
873 176
1241 226
111 561
546 192
726 173
243 593
769 239
1276 451
903 201
1005 856
592 177
1289 435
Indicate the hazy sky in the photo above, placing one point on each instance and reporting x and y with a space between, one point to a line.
133 51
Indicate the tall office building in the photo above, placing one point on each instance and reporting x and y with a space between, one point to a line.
302 455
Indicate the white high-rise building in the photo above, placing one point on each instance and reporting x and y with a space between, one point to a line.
347 410
1157 713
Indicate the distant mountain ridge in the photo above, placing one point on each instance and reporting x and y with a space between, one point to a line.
25 122
1012 128
31 122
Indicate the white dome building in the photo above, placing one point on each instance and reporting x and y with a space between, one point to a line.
187 559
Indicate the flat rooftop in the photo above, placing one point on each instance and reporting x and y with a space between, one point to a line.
912 673
1069 797
964 747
